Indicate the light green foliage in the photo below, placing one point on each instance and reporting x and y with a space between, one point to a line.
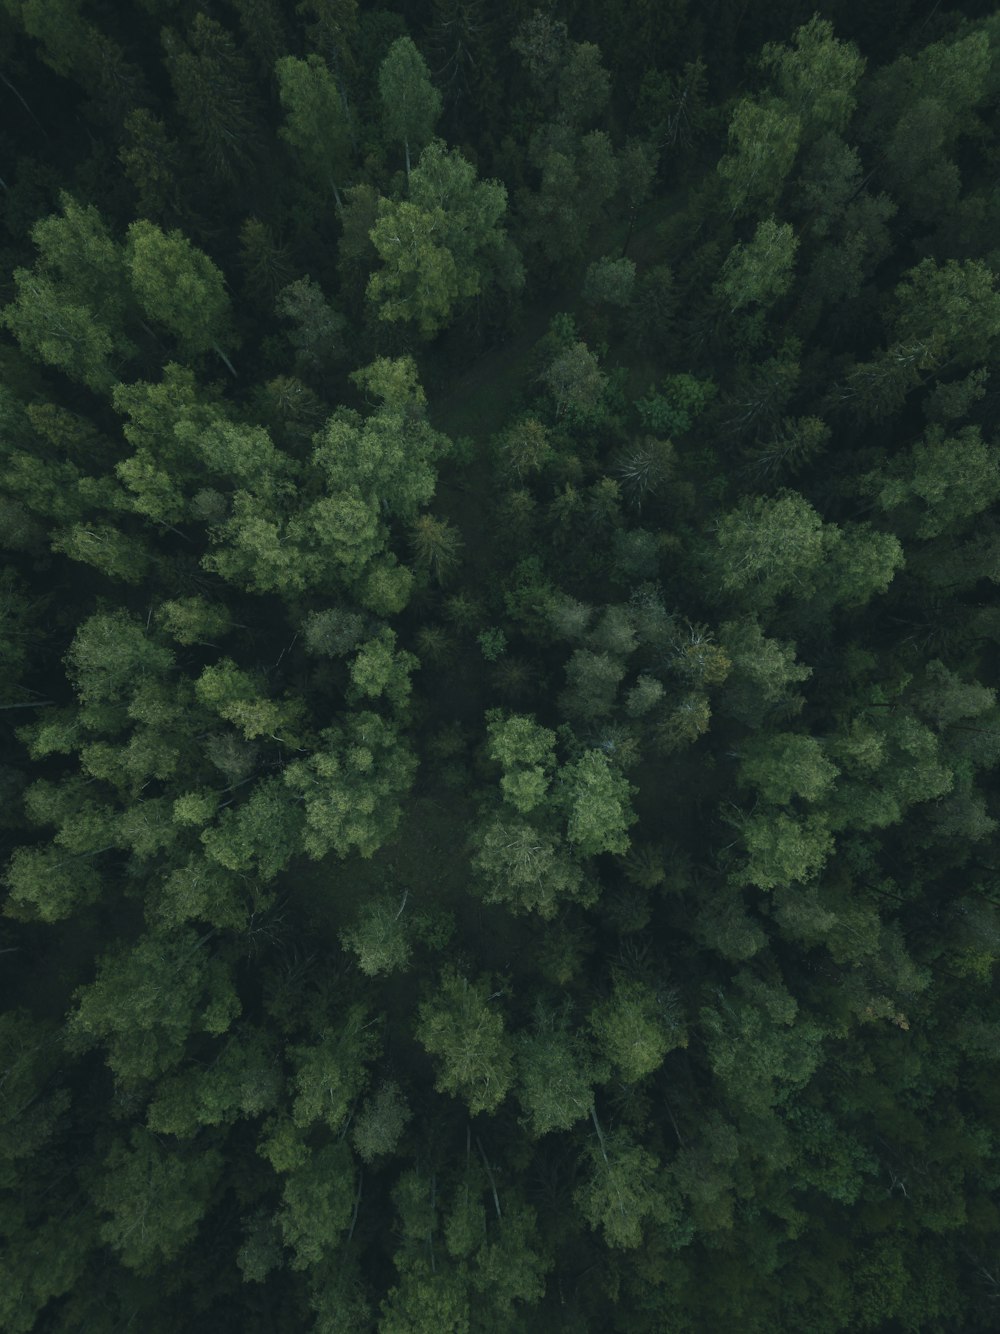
945 481
763 142
782 848
235 696
411 104
769 546
148 999
178 286
387 458
380 935
759 272
635 1028
316 1205
261 834
441 246
950 311
48 884
330 1071
352 787
888 763
528 868
526 753
860 563
783 765
69 310
596 800
621 1191
194 620
154 1197
245 1080
379 670
644 696
316 123
556 1073
609 281
380 1123
761 1050
111 656
460 1027
816 77
427 1299
576 383
509 1267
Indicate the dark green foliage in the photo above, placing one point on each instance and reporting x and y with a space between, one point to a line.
498 654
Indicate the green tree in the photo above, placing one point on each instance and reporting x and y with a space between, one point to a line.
556 1073
69 311
635 1027
596 801
154 1198
526 753
816 76
759 272
179 287
316 124
783 765
764 140
352 786
528 868
458 1026
621 1189
440 247
411 105
149 998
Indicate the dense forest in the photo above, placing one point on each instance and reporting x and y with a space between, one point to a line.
498 668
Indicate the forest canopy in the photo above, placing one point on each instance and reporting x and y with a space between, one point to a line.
499 644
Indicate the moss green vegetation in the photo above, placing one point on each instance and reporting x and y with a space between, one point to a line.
499 637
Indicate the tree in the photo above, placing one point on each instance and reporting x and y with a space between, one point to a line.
440 247
213 85
154 1198
69 311
816 77
179 287
351 787
635 1027
783 765
609 281
316 1204
950 311
621 1189
595 799
149 998
411 104
764 140
576 383
528 868
526 753
769 546
316 124
759 272
556 1072
782 848
457 1025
